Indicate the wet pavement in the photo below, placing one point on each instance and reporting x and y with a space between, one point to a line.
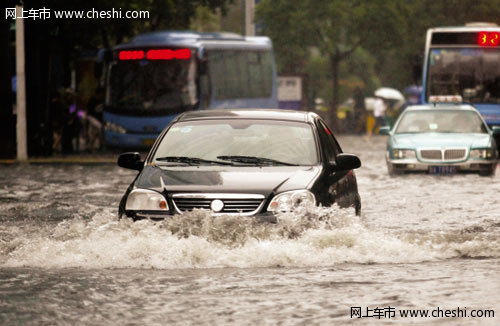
421 242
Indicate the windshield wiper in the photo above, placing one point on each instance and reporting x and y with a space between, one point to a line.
190 160
253 160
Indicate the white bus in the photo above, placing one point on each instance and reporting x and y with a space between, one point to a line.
463 64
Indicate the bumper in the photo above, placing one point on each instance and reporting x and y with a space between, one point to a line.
414 165
136 216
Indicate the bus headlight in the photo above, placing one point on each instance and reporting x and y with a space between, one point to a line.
289 200
485 153
403 153
111 126
146 200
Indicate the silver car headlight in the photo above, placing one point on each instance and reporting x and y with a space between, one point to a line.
485 153
111 126
289 200
146 200
403 153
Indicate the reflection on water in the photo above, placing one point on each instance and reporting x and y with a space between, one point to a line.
422 241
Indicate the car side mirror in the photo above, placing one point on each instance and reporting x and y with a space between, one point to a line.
130 160
496 130
345 162
385 130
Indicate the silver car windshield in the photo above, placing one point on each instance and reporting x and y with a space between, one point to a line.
292 143
446 121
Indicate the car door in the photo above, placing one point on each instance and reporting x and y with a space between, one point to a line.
338 187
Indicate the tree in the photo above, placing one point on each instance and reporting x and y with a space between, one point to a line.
336 27
54 45
205 21
92 33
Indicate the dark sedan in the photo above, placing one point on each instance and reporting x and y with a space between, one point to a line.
246 162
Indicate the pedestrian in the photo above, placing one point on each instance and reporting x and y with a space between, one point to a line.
94 125
379 112
70 139
57 119
359 111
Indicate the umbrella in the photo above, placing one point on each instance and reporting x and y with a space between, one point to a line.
389 94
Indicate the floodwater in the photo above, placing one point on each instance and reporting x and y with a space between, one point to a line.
422 242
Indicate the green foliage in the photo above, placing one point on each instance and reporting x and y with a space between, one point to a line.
283 23
205 20
337 29
376 42
94 33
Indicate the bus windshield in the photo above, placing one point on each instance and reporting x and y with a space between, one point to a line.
152 86
472 73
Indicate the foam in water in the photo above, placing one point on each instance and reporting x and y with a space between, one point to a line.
312 236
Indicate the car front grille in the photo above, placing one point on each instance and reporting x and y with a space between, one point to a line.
431 154
454 154
443 155
245 204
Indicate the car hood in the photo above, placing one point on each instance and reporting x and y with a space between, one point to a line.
255 180
441 140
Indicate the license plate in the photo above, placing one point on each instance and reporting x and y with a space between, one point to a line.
148 142
442 169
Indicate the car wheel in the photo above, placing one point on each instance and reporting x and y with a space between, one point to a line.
489 171
357 208
392 171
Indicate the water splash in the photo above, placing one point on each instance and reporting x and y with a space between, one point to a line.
313 236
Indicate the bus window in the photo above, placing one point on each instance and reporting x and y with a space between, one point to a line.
146 86
473 74
240 74
205 91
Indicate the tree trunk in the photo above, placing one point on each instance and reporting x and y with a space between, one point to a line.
334 65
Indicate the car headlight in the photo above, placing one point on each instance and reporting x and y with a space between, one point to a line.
146 200
289 200
403 153
111 126
485 153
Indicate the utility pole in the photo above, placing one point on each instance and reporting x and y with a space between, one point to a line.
22 145
249 9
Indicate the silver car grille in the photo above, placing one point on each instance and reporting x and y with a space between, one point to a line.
431 154
244 204
443 155
454 154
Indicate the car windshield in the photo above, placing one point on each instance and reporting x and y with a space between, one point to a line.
470 73
447 121
254 142
149 86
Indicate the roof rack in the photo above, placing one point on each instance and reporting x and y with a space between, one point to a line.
448 99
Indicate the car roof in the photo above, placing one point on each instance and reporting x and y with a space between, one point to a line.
441 106
264 114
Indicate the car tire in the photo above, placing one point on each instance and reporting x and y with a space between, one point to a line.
357 208
489 171
392 171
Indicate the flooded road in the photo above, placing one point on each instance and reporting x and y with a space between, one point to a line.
421 242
